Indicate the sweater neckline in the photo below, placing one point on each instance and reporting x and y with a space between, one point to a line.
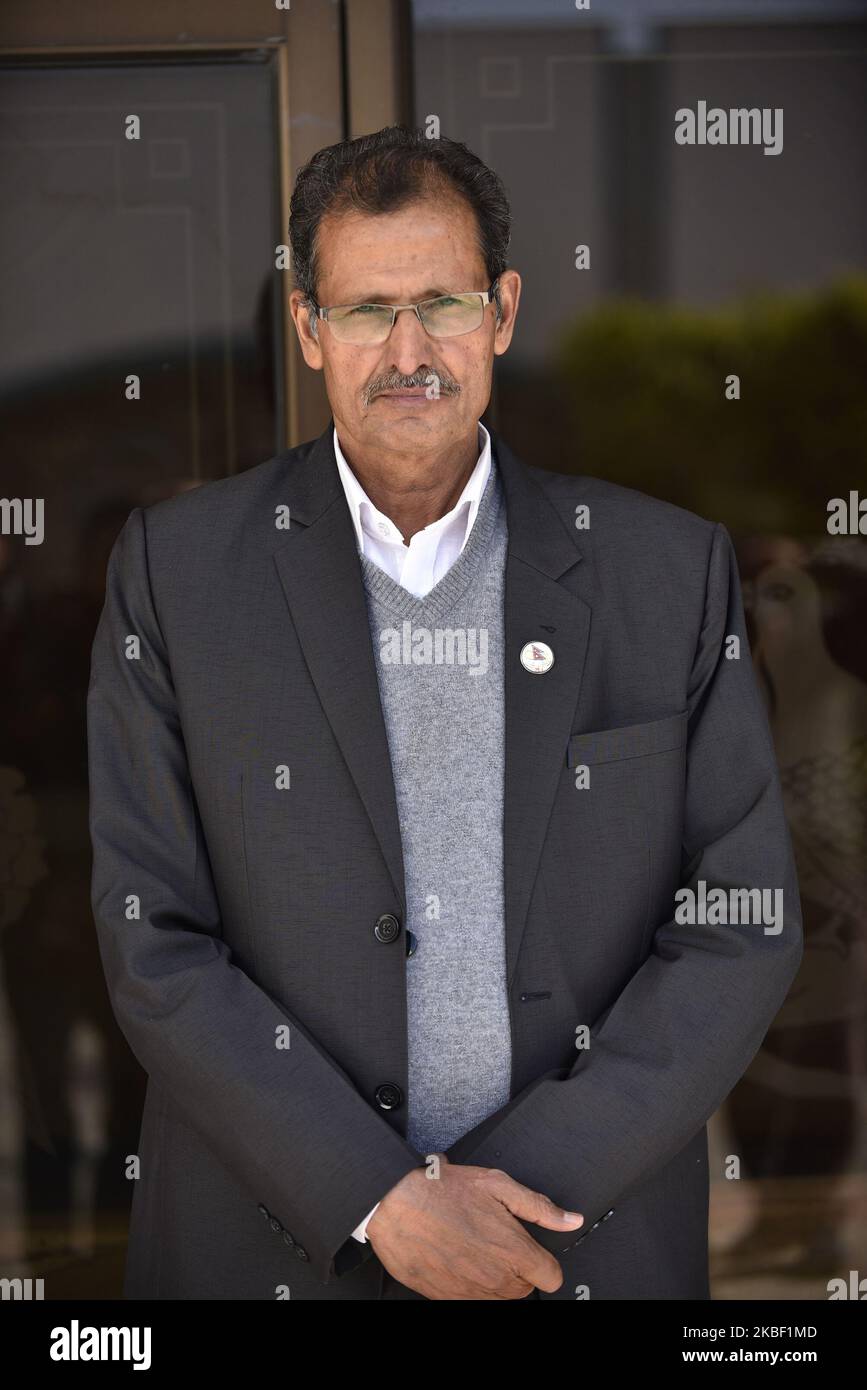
456 580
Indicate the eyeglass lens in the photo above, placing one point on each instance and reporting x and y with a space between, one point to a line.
446 317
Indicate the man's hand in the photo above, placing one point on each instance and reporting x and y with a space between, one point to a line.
457 1237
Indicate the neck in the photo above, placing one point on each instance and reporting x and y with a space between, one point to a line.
413 489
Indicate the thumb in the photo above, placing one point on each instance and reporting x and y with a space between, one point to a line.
529 1205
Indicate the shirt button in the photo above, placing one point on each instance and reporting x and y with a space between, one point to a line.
383 528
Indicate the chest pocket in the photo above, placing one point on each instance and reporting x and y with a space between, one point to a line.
630 741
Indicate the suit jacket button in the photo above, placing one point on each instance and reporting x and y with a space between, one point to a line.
289 1238
264 1210
388 1096
275 1224
301 1252
386 928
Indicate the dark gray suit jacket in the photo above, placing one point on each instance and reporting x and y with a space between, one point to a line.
228 908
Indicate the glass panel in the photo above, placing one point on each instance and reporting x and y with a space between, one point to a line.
150 258
653 270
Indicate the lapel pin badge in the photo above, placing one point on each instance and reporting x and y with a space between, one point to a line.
537 657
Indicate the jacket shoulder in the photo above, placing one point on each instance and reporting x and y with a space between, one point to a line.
220 507
624 511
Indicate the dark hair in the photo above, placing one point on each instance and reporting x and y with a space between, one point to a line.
383 172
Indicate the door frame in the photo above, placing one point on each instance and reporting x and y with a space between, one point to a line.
343 69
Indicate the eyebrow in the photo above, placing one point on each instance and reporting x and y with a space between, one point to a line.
376 298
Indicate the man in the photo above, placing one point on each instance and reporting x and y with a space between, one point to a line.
400 751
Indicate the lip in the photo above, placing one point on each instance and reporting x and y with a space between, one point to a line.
417 393
407 400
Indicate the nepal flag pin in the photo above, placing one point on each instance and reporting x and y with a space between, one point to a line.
537 657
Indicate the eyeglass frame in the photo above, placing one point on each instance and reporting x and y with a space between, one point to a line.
487 297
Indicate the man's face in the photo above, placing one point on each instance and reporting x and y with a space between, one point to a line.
381 396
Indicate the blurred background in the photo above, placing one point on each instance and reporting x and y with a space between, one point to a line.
156 258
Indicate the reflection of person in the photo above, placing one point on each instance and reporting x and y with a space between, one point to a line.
819 725
812 1067
396 766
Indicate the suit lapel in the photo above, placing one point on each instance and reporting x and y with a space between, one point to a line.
321 578
322 583
540 709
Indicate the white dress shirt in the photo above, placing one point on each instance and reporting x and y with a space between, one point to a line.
419 565
432 551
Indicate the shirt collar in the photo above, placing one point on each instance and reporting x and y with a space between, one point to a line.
365 516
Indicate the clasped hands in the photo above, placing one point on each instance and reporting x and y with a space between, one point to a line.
458 1236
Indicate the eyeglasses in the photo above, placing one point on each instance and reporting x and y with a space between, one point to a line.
447 316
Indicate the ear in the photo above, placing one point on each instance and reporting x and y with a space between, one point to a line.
306 326
509 294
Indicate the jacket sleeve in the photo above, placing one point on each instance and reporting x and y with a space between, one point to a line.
669 1049
288 1122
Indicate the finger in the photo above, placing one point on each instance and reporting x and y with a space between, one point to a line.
536 1265
529 1205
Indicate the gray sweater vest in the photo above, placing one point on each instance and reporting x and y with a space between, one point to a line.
440 667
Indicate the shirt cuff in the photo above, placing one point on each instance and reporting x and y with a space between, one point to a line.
360 1232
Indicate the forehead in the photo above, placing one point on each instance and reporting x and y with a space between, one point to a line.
427 244
782 573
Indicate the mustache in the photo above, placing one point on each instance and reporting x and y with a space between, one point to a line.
398 381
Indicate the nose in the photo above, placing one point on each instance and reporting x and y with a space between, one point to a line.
409 344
